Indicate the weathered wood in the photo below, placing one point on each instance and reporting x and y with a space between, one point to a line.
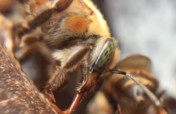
18 94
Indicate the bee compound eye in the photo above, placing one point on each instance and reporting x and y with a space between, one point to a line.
105 56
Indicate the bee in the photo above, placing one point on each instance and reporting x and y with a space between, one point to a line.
72 35
75 38
127 94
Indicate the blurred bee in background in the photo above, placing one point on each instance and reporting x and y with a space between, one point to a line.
127 97
72 35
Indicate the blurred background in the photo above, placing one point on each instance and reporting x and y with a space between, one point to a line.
146 27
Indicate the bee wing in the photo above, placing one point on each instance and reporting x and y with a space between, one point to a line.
135 62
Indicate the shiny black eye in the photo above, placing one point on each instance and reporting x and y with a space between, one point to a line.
105 56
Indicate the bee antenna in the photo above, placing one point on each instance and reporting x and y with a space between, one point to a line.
144 88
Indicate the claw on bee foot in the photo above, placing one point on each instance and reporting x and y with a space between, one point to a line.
78 98
86 86
81 92
49 95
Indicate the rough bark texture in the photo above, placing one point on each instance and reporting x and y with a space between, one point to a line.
18 95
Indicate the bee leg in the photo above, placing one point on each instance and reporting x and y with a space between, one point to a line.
24 52
60 5
119 109
49 8
55 81
28 49
57 5
66 64
85 87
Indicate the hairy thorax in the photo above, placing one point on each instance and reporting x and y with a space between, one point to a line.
76 22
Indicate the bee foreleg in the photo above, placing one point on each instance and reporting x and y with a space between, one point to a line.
69 60
29 49
55 81
60 5
86 86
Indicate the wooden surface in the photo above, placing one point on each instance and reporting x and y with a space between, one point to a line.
18 95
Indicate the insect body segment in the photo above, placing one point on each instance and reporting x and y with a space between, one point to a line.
138 91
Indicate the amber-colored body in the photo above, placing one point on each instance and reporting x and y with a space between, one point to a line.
125 92
71 35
